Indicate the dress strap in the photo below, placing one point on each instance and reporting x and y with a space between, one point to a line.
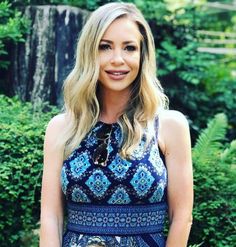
156 126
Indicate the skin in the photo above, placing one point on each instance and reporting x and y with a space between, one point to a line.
118 53
52 205
174 140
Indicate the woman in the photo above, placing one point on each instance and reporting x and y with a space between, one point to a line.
103 156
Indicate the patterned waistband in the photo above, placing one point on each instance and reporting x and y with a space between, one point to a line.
116 219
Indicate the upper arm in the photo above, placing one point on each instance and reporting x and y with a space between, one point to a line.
175 136
51 194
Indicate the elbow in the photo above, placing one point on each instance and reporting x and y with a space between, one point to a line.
51 224
189 221
51 230
183 219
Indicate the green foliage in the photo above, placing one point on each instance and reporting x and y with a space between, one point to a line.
208 142
192 79
215 188
21 144
195 245
87 4
185 62
21 133
153 10
198 84
12 28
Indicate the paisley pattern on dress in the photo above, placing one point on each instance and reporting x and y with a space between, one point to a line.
120 196
79 196
80 240
73 240
142 179
79 165
119 167
98 183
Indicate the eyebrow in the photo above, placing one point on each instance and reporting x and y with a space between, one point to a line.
111 42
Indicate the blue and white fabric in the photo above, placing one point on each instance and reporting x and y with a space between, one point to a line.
137 183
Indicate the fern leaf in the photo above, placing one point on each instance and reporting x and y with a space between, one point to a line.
208 143
229 154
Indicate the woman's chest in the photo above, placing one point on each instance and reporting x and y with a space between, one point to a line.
139 180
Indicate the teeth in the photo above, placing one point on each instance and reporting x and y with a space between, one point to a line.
117 73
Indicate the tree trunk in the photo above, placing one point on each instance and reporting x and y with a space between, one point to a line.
40 64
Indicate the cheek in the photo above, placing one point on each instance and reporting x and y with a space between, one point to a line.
134 61
104 58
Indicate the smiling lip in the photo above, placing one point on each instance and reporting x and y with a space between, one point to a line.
117 74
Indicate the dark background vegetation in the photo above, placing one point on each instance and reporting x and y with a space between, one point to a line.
202 85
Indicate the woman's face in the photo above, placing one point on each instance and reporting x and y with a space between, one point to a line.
119 55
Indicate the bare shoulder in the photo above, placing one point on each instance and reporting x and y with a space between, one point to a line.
54 130
57 123
174 131
173 120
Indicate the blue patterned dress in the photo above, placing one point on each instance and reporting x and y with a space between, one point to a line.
120 205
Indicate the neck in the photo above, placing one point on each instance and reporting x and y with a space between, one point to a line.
112 104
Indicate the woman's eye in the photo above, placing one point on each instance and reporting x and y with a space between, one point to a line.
130 48
104 47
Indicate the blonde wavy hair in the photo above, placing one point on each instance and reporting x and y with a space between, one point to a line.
82 106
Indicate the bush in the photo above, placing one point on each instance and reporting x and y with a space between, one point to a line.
21 157
215 188
12 28
21 142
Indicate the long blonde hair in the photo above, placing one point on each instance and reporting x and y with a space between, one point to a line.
82 107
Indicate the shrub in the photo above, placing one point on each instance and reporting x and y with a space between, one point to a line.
12 28
21 140
21 143
215 188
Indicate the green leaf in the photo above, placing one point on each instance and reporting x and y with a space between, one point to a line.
210 140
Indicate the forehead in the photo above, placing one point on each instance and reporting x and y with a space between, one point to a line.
122 28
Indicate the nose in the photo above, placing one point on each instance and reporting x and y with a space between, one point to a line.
117 57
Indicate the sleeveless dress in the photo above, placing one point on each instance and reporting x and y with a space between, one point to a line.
123 204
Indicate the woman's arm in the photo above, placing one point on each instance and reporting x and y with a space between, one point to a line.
176 145
51 219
